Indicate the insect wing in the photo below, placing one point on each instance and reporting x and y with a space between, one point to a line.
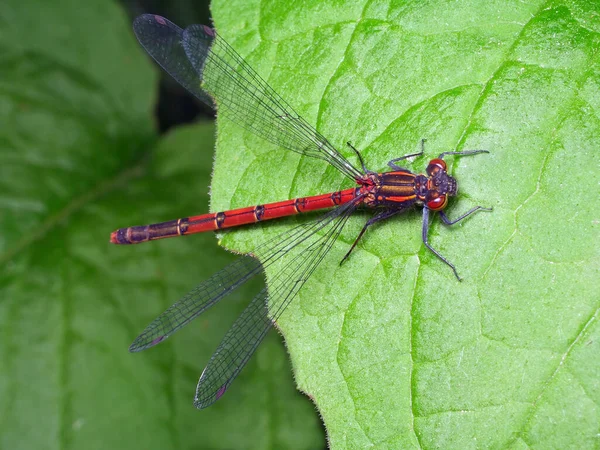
205 64
304 250
162 39
197 301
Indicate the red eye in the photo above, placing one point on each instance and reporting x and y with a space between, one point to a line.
439 162
435 165
438 203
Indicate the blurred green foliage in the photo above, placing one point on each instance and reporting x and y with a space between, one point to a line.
80 157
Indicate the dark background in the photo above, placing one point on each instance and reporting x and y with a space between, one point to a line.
175 105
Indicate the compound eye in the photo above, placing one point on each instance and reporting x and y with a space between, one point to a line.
438 203
436 165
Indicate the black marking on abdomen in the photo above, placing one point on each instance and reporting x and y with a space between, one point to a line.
299 204
183 225
259 212
336 197
219 219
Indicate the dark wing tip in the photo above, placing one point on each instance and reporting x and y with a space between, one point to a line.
201 30
206 394
149 19
141 343
152 25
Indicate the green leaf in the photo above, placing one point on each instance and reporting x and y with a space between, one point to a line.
393 350
79 157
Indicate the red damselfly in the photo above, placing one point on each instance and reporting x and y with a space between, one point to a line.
209 68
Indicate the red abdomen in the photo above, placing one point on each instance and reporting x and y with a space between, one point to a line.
231 218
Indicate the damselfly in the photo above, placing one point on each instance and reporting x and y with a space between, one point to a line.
209 68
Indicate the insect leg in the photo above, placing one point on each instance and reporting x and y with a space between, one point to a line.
392 163
376 218
362 163
425 241
464 153
447 220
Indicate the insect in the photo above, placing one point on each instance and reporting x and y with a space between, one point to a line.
209 68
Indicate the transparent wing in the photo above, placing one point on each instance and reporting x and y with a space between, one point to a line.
231 277
295 253
197 301
205 64
304 251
